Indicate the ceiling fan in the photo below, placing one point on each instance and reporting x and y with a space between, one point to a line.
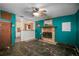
39 12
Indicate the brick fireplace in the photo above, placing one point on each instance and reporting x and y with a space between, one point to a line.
48 34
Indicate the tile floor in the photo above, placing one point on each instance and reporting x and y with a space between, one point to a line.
37 48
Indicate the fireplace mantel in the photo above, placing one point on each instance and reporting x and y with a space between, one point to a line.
47 26
47 29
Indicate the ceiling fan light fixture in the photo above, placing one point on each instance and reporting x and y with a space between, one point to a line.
36 14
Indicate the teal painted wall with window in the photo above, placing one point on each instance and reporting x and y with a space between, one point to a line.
13 21
69 38
65 37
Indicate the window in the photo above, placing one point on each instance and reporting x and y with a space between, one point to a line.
66 26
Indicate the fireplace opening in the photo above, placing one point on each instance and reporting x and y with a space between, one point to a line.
47 34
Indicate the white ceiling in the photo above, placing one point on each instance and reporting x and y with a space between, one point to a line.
53 9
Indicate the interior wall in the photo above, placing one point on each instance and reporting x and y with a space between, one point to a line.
66 37
38 28
18 25
78 28
26 35
77 21
19 28
60 36
13 29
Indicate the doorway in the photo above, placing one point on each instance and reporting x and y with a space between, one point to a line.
5 34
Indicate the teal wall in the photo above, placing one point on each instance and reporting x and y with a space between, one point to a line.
13 29
69 38
38 29
13 21
77 21
78 28
65 37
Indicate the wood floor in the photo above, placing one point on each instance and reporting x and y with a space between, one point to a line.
36 48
